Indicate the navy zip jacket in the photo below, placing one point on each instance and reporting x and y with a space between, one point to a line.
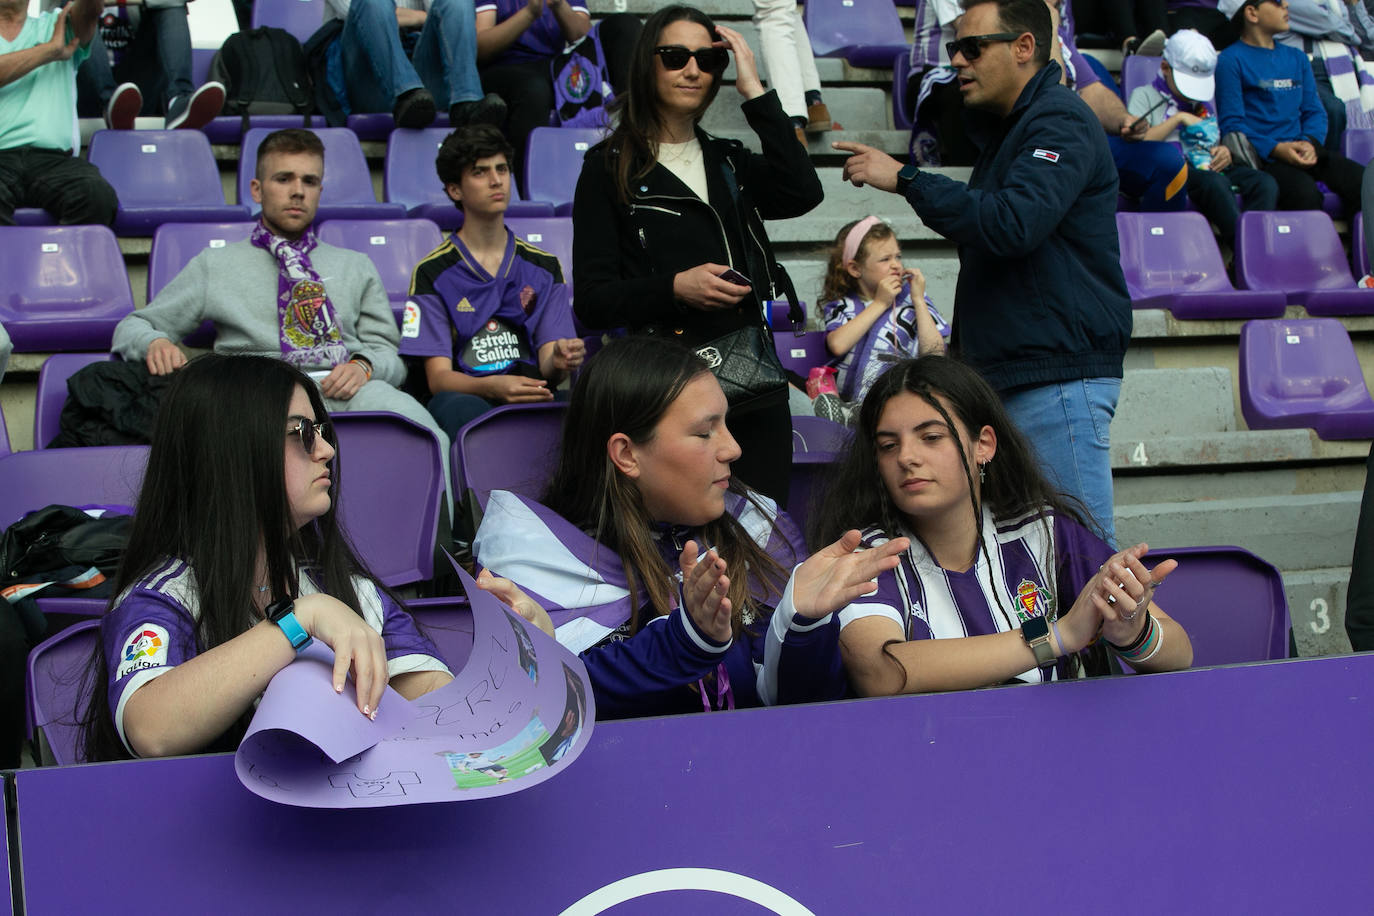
1041 297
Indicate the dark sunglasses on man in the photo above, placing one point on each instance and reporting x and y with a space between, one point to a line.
709 60
971 46
309 432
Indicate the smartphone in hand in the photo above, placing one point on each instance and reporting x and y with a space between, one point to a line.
730 275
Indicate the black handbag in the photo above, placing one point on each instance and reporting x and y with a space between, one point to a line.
745 362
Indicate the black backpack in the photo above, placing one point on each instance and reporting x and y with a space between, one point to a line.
264 72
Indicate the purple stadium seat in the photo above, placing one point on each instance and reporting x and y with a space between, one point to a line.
553 234
32 216
4 436
1358 144
817 434
65 287
52 392
903 98
1171 261
1299 253
391 488
347 180
301 18
512 447
553 161
1303 374
228 129
174 245
1359 258
55 674
867 33
806 485
778 310
409 179
378 125
161 176
801 352
105 475
395 247
1230 602
1137 71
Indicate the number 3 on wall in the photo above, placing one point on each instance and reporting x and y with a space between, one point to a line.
1323 621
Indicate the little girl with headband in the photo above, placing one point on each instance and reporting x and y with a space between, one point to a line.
871 321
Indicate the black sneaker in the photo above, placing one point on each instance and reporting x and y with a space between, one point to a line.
123 107
195 111
414 109
490 109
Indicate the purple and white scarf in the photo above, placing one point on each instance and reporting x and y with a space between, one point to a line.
308 327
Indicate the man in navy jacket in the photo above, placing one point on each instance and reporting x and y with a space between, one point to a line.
1041 307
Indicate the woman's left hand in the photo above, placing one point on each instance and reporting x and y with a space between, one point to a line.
1124 589
511 596
746 70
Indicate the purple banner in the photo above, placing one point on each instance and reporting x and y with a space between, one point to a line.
519 711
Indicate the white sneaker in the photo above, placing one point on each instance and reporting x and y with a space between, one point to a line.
1365 282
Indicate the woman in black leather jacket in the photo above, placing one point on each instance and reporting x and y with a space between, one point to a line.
662 209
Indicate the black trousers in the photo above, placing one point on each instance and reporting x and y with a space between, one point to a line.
1298 187
68 187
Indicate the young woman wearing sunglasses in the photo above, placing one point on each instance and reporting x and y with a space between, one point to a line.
663 209
235 563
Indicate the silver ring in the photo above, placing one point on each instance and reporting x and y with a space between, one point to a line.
1131 615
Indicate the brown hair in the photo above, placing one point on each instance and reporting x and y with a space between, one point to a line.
288 140
838 282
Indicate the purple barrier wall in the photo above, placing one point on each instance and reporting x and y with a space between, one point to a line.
1216 790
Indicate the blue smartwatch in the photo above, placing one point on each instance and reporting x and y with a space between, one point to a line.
283 614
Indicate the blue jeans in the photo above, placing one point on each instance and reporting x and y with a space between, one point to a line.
378 70
158 61
454 410
1069 426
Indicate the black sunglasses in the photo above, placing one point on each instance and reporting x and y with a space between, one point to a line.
971 46
710 60
309 432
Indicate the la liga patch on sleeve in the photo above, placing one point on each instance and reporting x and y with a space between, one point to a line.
145 647
1048 155
410 320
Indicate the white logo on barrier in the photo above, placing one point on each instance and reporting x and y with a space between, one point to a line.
687 879
1284 230
50 248
1293 338
377 240
535 237
150 147
581 146
1156 230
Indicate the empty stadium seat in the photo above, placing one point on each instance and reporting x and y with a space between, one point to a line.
1230 602
553 162
66 287
347 190
301 18
1137 71
778 315
52 392
104 475
817 434
1171 261
867 33
801 352
1299 253
391 489
56 669
395 247
1303 374
512 447
409 178
161 176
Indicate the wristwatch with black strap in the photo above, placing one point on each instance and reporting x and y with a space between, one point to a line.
906 176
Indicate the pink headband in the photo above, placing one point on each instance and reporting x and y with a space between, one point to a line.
856 235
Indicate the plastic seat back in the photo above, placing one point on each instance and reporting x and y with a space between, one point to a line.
56 701
66 287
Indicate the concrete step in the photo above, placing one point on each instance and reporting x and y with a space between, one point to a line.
1316 605
1308 531
1203 483
864 108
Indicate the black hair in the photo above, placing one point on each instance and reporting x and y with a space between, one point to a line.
462 148
1024 16
633 144
213 495
287 140
627 388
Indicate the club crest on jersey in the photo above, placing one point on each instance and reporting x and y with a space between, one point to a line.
1048 155
1031 601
